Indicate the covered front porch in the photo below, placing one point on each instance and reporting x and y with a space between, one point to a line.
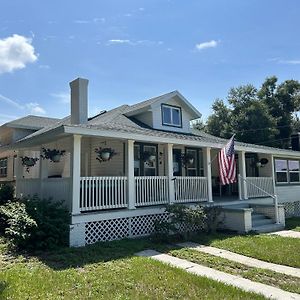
139 175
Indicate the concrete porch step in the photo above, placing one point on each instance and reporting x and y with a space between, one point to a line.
261 222
267 228
257 217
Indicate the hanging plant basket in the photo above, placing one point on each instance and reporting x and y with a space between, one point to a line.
28 162
53 155
187 159
105 154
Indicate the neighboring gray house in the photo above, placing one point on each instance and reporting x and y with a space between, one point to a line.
159 159
11 132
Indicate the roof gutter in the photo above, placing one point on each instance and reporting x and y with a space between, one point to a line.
161 140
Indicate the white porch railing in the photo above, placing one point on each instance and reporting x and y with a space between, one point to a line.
28 186
98 193
57 188
190 189
151 190
259 186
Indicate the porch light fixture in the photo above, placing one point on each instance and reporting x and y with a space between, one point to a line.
28 162
105 154
53 155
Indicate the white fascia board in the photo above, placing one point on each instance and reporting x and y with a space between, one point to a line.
189 105
162 140
40 139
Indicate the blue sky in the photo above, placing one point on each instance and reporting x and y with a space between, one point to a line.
134 50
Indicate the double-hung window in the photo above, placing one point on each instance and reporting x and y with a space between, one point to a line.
3 167
287 171
171 115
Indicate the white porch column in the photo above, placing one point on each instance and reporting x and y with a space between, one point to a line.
130 175
19 173
242 170
43 173
75 169
169 161
274 191
207 172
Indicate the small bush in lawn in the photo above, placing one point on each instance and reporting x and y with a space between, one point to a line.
212 218
182 222
6 193
35 224
52 219
16 223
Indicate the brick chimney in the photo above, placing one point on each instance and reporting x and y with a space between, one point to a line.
79 101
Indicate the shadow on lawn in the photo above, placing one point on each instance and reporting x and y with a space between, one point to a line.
102 252
65 258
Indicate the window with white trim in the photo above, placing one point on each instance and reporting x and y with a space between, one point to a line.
287 171
171 115
3 167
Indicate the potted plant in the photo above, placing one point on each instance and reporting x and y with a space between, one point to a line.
105 154
28 162
53 155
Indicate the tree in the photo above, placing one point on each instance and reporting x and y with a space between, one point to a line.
219 123
282 101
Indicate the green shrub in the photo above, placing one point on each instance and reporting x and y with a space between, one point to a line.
6 193
16 223
183 220
212 218
52 219
35 224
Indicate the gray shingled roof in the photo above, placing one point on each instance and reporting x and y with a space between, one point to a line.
115 121
31 122
148 102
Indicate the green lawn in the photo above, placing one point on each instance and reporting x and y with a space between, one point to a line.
288 283
104 271
270 248
293 223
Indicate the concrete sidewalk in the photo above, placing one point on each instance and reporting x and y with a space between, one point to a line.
242 283
288 233
248 261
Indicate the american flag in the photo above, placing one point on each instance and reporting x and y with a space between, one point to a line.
227 165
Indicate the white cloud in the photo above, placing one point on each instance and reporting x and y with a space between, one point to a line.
94 20
62 97
205 45
284 61
46 67
134 43
35 108
119 41
32 107
290 62
11 102
15 53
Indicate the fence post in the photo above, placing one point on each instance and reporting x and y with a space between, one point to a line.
240 186
276 209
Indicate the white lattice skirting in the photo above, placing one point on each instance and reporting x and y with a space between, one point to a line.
115 229
292 209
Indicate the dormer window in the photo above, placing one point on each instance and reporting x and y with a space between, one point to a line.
171 115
